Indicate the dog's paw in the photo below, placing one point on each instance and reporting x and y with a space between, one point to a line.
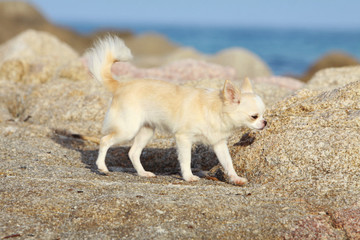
238 180
191 178
146 174
103 170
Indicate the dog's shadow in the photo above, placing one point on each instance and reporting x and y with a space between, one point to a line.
161 161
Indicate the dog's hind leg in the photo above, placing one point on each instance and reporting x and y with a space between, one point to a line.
109 140
141 139
105 143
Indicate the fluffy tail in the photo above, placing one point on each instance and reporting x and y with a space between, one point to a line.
105 52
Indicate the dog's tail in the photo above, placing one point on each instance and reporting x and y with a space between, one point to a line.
105 52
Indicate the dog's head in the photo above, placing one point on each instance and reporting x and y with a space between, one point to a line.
243 106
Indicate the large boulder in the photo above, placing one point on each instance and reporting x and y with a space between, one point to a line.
330 60
331 78
246 63
62 104
312 140
33 57
149 49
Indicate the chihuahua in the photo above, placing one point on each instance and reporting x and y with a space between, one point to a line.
191 115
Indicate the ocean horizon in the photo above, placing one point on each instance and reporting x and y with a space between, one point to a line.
287 51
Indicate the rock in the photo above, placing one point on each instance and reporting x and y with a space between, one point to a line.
245 63
302 169
314 227
153 50
183 53
330 78
75 70
330 60
310 144
148 48
33 57
20 11
51 188
17 17
349 220
309 150
77 107
311 133
11 101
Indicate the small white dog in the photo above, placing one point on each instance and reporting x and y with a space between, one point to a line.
192 115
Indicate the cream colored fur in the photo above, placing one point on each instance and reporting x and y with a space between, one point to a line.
191 114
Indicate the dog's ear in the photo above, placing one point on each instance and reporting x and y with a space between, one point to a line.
230 93
246 86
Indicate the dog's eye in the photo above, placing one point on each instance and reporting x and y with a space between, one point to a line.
254 116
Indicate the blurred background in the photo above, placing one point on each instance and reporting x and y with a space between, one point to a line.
293 38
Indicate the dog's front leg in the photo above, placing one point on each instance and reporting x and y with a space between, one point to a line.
222 152
184 154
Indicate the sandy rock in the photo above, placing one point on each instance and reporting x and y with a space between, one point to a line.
51 188
311 143
75 70
314 227
246 63
33 57
310 150
330 60
62 104
311 133
334 77
12 101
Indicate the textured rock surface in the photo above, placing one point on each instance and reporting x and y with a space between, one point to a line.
311 133
334 77
76 106
310 150
33 57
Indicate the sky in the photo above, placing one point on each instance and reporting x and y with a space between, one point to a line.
328 14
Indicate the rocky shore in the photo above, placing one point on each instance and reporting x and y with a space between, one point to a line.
303 169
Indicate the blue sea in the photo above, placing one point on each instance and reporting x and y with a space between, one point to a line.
286 51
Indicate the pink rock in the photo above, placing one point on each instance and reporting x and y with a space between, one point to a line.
314 227
178 71
349 220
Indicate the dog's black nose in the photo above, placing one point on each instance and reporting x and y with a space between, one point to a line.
265 123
